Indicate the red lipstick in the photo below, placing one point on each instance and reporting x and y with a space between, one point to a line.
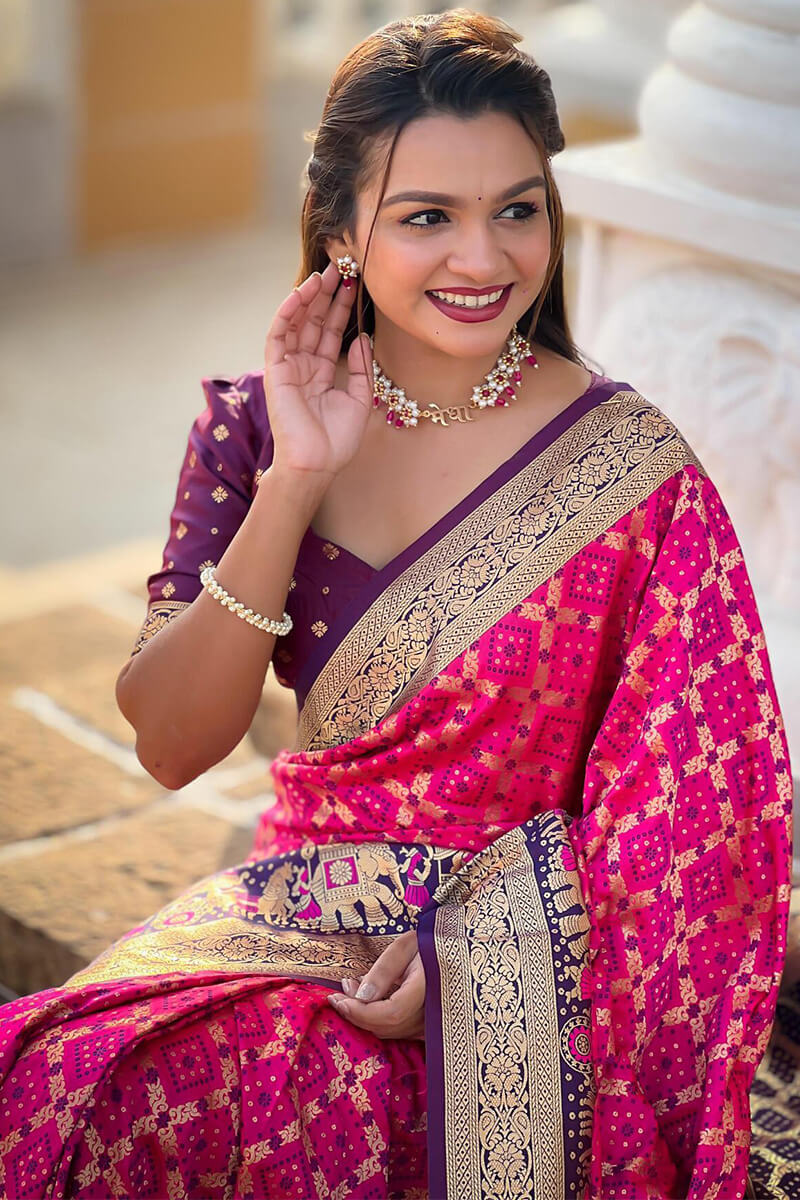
460 313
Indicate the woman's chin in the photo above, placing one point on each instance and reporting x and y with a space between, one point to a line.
462 340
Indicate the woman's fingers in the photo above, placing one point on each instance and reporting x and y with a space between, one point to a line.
401 1015
288 317
318 314
388 967
330 342
361 382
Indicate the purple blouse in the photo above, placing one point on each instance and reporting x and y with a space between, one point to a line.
230 446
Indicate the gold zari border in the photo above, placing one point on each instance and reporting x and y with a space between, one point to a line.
236 947
511 952
256 919
600 468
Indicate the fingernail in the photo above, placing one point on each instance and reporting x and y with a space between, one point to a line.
335 999
366 991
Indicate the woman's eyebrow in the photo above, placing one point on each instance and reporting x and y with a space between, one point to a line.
453 201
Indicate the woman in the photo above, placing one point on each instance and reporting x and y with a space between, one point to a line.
538 806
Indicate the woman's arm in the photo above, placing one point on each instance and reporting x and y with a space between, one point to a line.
191 692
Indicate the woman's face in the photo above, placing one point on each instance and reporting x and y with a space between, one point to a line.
482 228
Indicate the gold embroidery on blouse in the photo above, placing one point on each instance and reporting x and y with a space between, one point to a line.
214 529
221 432
209 562
192 459
168 589
325 590
186 495
319 628
258 475
181 531
330 551
219 494
600 468
233 398
159 613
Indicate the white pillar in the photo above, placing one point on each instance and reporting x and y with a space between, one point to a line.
689 274
724 108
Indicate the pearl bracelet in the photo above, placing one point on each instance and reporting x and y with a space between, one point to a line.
209 582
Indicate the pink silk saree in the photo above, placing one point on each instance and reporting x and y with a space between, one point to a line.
547 737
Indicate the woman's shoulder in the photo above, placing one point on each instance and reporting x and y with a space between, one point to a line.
235 419
640 414
239 397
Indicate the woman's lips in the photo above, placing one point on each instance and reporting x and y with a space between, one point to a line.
460 312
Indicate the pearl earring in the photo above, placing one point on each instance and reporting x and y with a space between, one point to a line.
348 269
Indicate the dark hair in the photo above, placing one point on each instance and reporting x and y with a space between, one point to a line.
458 62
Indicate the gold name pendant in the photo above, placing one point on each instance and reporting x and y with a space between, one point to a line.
458 412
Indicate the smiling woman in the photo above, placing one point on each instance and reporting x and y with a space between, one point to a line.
514 923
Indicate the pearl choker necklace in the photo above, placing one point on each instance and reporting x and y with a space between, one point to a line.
497 388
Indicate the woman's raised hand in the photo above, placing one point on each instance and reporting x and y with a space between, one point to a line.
317 426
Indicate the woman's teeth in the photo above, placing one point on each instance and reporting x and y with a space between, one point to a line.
469 301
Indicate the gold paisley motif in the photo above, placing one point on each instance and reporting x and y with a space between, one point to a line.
610 460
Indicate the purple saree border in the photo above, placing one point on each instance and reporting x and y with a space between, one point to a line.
434 1052
601 389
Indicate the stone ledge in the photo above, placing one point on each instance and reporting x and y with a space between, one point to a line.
90 844
50 784
64 905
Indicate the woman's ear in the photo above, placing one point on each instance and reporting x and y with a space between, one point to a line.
338 247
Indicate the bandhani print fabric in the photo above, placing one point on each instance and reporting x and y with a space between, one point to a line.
545 736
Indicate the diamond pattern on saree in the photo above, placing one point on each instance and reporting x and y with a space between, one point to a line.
706 883
509 651
591 588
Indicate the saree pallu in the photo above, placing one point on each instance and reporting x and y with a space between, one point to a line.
548 740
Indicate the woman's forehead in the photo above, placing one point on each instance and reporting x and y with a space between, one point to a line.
461 156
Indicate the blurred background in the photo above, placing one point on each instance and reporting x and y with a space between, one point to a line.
151 154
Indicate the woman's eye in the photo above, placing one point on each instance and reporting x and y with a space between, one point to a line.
528 209
418 220
415 221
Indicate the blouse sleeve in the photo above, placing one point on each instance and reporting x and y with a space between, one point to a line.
229 448
684 852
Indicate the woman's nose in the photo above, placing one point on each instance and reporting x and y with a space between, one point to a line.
479 258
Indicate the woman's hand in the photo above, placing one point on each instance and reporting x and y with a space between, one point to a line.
317 427
399 1015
